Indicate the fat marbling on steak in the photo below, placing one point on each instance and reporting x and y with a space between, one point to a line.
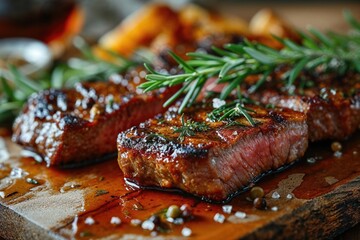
216 163
80 125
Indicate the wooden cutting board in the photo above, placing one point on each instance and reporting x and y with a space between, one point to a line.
319 198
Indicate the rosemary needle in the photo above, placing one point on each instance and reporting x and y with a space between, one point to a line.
189 127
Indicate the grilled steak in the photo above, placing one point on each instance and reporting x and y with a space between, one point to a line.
332 105
217 162
81 124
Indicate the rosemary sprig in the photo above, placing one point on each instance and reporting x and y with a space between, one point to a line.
15 87
233 64
189 128
232 110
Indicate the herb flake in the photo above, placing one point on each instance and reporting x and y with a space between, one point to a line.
189 128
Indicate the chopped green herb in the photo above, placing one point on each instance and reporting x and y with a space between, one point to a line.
189 128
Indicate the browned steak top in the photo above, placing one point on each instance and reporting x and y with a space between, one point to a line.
81 124
332 104
215 163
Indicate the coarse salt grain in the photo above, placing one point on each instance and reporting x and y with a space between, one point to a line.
337 154
275 195
218 102
219 218
274 209
289 196
18 173
311 160
2 194
135 222
115 220
148 225
178 221
89 221
227 209
240 215
186 232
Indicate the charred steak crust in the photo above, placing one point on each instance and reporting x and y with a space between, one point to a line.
78 125
215 163
333 117
332 105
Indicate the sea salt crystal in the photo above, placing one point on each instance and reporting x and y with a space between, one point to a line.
186 232
18 173
89 221
275 195
337 154
2 194
218 102
148 225
289 196
227 209
115 220
178 221
274 209
135 222
219 218
240 215
311 160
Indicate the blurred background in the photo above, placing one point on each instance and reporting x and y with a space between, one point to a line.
56 22
48 19
104 15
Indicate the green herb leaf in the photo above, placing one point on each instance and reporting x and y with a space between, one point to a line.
189 128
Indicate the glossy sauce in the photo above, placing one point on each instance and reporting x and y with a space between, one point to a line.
99 192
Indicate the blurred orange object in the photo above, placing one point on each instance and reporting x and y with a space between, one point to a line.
141 28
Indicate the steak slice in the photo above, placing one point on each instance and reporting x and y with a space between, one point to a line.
78 125
212 164
332 105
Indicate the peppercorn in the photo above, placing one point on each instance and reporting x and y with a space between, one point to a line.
260 203
336 147
256 192
173 211
155 219
186 210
